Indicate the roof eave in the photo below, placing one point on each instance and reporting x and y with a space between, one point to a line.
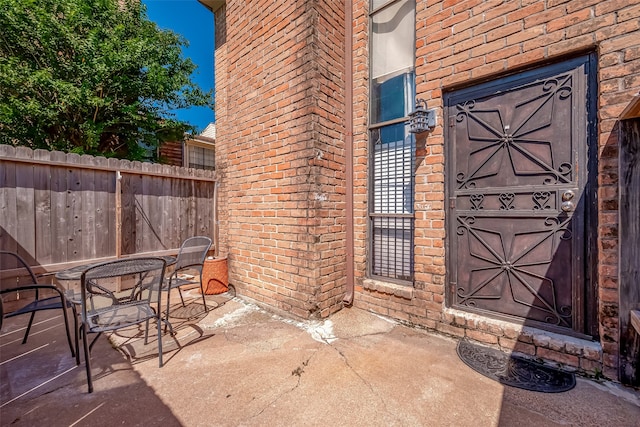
213 5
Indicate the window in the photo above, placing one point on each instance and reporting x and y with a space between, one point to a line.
200 155
201 158
392 147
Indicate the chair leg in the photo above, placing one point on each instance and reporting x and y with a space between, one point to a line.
169 325
87 357
167 312
158 321
76 333
181 299
94 341
66 327
204 301
26 334
146 332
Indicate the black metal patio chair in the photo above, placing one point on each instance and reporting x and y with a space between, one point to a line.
121 294
30 295
188 264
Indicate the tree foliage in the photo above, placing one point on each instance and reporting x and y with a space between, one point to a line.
91 76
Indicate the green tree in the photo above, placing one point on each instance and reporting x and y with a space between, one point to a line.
91 76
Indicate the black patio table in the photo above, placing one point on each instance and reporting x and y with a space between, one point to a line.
75 273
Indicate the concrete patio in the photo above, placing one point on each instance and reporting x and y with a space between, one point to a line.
242 365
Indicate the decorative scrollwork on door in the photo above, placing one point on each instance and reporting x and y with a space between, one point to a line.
476 202
506 201
500 145
541 200
518 268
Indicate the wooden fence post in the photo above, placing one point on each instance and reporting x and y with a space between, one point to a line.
118 202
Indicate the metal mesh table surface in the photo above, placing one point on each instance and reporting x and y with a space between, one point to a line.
75 273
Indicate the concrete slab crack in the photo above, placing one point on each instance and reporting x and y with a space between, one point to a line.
373 390
298 371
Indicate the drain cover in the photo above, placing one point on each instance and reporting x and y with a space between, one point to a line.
514 371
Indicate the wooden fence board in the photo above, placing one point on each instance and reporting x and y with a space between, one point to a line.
25 212
104 228
88 213
191 210
138 222
166 206
75 212
128 216
184 211
167 237
59 230
159 218
151 212
111 191
8 213
42 200
154 220
173 204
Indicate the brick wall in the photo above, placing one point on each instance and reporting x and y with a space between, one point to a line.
360 135
280 152
222 131
280 121
459 42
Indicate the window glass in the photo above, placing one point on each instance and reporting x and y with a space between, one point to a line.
391 97
392 39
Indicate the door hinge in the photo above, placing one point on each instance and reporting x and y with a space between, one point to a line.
452 203
452 122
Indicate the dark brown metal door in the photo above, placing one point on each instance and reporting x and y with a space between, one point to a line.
517 188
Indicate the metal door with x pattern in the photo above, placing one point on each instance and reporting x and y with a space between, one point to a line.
517 175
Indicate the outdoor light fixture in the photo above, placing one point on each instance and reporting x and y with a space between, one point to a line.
421 119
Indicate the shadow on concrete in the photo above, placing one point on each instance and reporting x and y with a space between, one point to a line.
41 384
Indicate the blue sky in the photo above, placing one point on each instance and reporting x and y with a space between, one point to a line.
195 23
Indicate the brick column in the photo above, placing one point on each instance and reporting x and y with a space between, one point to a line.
280 148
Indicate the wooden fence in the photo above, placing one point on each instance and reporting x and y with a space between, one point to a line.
629 244
58 210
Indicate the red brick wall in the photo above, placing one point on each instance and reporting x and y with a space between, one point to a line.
281 151
360 135
464 41
222 130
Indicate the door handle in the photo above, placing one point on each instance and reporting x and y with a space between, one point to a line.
567 206
568 195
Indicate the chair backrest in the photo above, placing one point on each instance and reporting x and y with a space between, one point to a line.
193 252
14 268
122 282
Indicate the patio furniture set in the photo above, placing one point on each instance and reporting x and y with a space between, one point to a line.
113 295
